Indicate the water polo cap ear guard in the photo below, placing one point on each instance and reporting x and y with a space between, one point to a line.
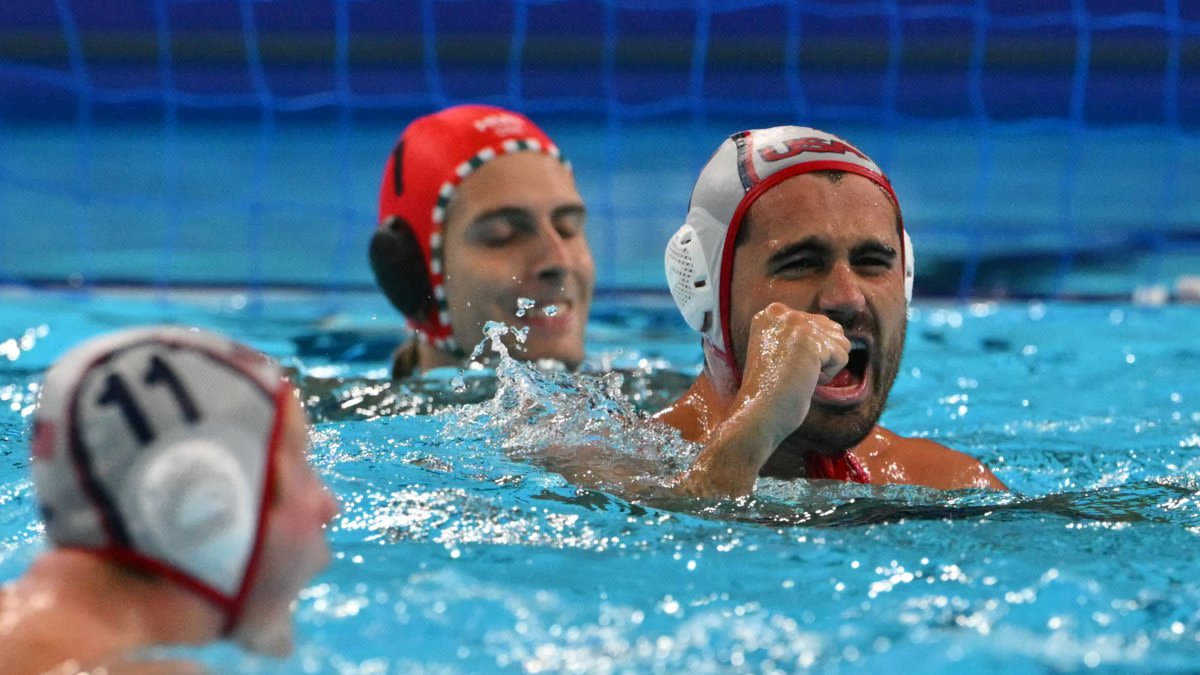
434 155
156 448
699 256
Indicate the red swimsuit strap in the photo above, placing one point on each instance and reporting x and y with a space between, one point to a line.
844 467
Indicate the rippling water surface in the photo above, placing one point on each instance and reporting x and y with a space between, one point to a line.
458 550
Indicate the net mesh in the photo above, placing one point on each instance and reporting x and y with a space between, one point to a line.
1039 147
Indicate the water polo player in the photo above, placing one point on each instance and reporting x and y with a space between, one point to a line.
795 266
477 210
170 469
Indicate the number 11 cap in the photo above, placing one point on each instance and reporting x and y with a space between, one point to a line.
155 448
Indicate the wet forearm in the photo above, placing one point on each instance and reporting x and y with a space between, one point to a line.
728 465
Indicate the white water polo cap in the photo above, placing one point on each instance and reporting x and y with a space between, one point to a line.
699 257
156 447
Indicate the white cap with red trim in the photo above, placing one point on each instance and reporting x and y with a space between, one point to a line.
155 447
699 257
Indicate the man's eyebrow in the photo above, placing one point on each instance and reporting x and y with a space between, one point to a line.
815 245
517 212
505 212
574 209
875 248
806 245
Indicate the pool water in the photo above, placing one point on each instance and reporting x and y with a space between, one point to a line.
457 552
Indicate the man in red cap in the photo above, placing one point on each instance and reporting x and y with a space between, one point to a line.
478 216
795 267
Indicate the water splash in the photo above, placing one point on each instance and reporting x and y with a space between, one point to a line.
493 338
584 428
1084 569
524 305
13 348
579 425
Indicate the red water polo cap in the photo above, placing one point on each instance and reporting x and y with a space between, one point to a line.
434 155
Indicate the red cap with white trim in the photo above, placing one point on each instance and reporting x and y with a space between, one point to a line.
432 158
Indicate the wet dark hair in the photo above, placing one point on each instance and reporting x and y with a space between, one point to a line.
400 269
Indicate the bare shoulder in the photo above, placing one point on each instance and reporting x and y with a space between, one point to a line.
32 639
160 667
687 414
23 652
921 461
677 415
18 653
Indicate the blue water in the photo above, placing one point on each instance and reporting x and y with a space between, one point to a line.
293 203
455 552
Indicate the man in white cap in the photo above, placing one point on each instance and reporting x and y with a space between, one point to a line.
795 267
170 468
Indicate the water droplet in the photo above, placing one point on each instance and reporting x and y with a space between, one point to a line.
524 305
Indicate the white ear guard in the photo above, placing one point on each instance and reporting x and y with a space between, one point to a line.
191 505
690 279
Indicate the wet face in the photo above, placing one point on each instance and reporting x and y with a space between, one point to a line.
515 230
828 246
294 548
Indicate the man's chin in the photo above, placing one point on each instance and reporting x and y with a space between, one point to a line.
830 430
274 638
570 355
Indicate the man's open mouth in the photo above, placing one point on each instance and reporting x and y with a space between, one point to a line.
850 386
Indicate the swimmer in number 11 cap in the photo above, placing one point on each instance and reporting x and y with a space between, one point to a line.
170 468
795 267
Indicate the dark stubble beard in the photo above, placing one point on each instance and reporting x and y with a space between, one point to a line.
830 430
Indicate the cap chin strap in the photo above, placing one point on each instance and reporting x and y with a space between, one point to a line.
910 268
844 467
446 344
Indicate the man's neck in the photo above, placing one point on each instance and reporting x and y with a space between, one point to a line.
712 398
800 458
113 610
430 357
795 459
698 411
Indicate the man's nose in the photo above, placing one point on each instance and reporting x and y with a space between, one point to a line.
840 294
330 507
553 255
